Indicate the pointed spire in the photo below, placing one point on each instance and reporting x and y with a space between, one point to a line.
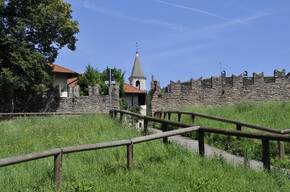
137 71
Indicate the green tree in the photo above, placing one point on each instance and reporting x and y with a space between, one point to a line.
31 33
93 76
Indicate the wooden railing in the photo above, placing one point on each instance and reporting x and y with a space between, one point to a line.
4 116
58 153
265 137
239 124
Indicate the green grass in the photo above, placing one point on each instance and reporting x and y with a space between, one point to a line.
273 114
158 167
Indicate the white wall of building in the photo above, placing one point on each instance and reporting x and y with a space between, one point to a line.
142 83
130 98
61 80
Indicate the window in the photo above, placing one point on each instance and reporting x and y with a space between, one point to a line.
138 84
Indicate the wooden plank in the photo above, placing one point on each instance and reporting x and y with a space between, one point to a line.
266 154
169 116
255 135
164 134
285 131
146 126
121 116
79 148
281 148
267 129
58 170
239 128
28 157
192 117
164 129
130 156
179 117
201 142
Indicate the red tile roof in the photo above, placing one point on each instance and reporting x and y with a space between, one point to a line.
130 89
72 81
60 69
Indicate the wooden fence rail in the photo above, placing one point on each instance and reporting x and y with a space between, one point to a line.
15 115
238 124
265 137
225 120
58 153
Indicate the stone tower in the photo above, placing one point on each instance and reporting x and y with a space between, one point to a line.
137 78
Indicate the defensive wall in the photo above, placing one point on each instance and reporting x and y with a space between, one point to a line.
53 102
221 90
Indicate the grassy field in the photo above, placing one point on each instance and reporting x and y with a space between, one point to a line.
274 115
158 167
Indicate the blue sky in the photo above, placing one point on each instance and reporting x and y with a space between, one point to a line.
181 39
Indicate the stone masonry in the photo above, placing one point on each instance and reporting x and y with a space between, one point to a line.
221 90
92 103
52 102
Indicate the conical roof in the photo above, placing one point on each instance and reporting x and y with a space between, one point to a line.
137 70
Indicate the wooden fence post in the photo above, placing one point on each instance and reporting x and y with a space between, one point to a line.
115 114
164 129
179 117
192 118
201 142
121 116
130 156
58 170
169 116
266 154
146 126
239 128
164 117
281 150
160 115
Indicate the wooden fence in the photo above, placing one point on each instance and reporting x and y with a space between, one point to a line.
265 137
58 153
4 116
238 124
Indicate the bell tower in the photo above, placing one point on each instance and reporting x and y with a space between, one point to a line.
137 78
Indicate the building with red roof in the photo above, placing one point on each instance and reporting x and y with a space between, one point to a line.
62 75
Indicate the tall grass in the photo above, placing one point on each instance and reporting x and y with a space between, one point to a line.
158 167
273 114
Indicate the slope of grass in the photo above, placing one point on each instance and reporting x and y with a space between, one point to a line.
158 167
273 114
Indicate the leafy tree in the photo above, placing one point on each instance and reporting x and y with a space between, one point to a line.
31 33
93 76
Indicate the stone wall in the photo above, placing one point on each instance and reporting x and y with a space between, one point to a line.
221 90
92 103
53 102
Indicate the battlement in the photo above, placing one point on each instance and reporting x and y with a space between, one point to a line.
222 90
224 82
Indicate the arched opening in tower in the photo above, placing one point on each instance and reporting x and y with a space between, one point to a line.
138 84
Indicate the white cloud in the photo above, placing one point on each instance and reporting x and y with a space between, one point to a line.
112 13
199 11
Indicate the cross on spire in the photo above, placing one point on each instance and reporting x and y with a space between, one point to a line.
136 47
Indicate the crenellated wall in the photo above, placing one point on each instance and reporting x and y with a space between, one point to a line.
53 102
221 90
92 103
